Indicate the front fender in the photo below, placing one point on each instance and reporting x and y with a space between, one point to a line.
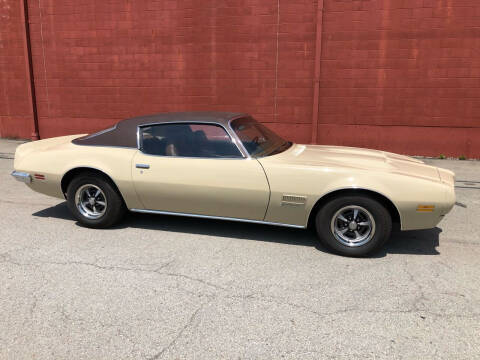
314 182
406 193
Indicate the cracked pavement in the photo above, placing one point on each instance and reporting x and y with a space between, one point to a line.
160 287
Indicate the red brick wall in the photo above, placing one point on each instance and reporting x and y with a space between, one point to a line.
98 62
400 75
15 105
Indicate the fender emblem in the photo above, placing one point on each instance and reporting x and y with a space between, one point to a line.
295 200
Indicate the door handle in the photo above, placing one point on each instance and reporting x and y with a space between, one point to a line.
142 166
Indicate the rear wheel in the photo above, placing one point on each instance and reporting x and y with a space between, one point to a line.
94 201
353 225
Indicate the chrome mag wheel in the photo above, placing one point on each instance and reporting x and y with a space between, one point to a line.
90 201
353 226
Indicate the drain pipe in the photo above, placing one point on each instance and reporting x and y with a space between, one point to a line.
316 79
29 69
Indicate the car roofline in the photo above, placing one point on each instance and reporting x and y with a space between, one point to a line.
124 133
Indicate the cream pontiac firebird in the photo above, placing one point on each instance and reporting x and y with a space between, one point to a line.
228 166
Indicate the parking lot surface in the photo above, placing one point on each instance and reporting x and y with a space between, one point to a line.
162 287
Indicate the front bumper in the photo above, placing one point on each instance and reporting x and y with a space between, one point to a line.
22 176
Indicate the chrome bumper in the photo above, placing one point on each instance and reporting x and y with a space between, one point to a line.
22 176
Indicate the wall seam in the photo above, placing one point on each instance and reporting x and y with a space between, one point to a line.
29 69
317 70
44 58
276 65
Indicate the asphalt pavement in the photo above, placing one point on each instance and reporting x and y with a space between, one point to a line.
162 287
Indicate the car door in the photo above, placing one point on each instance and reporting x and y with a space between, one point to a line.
195 168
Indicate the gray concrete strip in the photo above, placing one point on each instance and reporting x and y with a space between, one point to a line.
465 170
7 147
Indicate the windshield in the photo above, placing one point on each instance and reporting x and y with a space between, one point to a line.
257 139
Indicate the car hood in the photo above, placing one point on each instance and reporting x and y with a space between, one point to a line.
357 158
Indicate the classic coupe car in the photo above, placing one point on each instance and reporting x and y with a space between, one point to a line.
228 166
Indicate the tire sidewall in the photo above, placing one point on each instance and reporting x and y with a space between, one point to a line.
383 225
115 206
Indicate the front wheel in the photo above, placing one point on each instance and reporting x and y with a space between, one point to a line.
94 201
353 225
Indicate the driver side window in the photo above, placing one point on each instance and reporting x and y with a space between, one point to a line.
188 140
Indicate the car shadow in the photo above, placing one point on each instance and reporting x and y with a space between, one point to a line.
421 242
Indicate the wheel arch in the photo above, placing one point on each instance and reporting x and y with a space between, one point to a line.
72 173
384 200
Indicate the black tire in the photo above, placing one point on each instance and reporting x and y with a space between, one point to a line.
381 224
114 209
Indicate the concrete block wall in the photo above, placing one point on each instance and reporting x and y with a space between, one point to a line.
15 104
402 75
398 75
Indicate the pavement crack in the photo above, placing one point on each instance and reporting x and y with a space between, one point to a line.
204 282
421 297
413 310
33 307
10 260
179 334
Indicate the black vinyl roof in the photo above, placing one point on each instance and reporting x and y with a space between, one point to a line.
124 133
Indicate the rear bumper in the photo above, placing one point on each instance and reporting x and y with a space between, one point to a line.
22 176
